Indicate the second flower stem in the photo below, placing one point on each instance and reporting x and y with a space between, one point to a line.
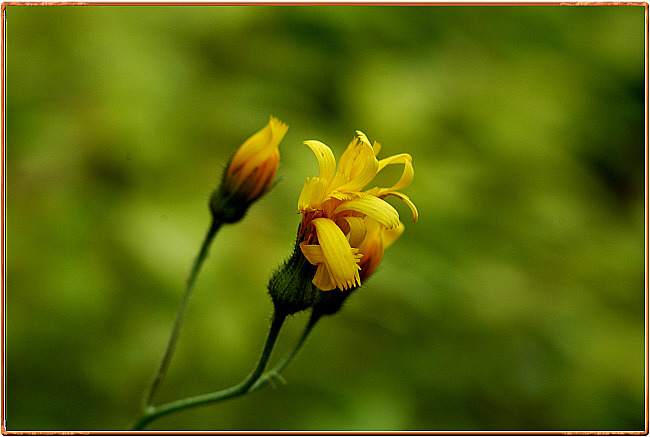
150 413
275 372
180 315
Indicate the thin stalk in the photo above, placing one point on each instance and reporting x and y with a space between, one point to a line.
275 372
180 315
150 413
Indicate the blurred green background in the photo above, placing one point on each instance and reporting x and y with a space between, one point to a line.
515 303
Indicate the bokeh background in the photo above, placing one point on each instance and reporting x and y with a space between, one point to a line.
515 303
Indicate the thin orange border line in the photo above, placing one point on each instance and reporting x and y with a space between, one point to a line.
3 141
328 3
647 245
3 6
331 433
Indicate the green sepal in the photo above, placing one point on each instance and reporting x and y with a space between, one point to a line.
228 207
230 202
332 301
290 286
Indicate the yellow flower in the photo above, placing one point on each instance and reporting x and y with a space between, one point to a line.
342 225
253 167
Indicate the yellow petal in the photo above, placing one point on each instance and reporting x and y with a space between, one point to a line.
345 196
390 235
259 159
372 247
376 147
406 200
268 137
407 174
323 278
326 161
357 230
363 137
374 207
278 130
347 160
373 228
312 194
263 176
338 254
313 253
359 179
350 164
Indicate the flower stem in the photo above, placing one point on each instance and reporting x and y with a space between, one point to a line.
180 315
275 372
150 412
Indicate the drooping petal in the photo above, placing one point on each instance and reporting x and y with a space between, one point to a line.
325 157
374 207
357 230
339 256
323 278
377 240
406 200
313 253
372 248
407 174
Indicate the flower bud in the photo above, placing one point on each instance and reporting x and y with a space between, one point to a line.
250 173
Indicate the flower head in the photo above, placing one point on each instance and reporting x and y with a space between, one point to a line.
250 173
346 227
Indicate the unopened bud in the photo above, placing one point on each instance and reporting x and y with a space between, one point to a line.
250 173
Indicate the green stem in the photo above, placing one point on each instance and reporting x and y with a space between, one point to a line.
150 413
275 372
180 315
